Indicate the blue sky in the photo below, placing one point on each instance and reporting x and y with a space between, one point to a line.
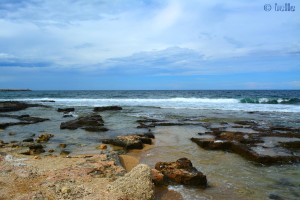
149 44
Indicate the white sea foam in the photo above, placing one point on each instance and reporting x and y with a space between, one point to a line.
176 103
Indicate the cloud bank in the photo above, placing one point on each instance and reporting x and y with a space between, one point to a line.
157 40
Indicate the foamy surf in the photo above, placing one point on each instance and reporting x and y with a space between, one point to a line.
177 103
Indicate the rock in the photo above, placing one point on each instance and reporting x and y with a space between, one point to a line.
157 177
246 123
105 108
2 143
128 142
45 137
65 190
9 106
62 145
23 120
135 141
246 151
95 129
28 140
66 110
64 153
102 146
231 136
135 185
91 122
36 149
70 114
51 150
182 172
48 101
291 144
211 144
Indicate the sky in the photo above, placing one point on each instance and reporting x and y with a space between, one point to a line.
149 44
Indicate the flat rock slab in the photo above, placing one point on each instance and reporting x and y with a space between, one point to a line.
106 108
9 106
65 110
21 120
181 172
93 123
247 151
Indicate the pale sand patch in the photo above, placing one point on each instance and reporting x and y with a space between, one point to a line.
129 162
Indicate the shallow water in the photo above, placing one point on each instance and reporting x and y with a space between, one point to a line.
229 176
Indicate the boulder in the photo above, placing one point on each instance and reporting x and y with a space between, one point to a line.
106 108
91 122
182 172
135 185
135 141
128 142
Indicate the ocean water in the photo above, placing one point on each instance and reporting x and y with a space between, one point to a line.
229 175
235 100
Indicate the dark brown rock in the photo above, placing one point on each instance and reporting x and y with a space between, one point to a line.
182 172
157 177
9 106
28 140
245 151
211 144
106 108
36 149
62 145
23 120
65 110
291 144
92 122
45 137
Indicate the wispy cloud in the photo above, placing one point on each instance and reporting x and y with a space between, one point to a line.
161 38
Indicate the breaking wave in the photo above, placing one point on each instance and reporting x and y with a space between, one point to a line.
271 100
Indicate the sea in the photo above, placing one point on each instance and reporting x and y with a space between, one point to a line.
229 175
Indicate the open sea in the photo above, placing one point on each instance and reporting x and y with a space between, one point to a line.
237 100
229 175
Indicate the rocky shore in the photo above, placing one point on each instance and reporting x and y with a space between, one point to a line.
37 170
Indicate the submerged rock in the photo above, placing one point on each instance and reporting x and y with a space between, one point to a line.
45 137
249 151
135 185
106 108
182 172
21 120
91 122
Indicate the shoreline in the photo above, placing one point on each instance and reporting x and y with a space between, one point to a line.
221 144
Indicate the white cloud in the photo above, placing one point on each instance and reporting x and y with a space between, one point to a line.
84 33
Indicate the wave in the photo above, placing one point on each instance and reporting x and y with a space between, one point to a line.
246 104
134 100
271 100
